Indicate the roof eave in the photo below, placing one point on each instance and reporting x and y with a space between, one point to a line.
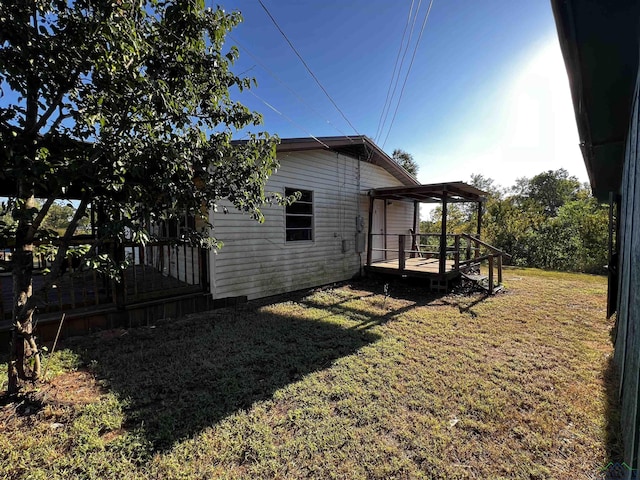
599 43
360 146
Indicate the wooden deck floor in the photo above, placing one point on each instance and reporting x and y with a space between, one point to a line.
419 267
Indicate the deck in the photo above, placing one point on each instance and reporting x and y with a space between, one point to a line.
441 260
414 267
88 289
162 281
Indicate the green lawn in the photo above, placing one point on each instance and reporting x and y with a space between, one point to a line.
340 383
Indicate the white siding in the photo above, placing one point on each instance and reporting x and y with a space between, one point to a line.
256 261
398 215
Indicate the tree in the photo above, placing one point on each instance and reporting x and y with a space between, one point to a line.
550 221
59 217
548 191
124 105
405 160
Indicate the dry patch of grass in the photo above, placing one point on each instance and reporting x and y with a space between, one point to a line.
341 383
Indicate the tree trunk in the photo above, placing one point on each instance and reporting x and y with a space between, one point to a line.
24 356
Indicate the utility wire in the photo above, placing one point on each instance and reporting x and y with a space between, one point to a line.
395 67
281 82
267 103
289 119
307 66
397 79
424 23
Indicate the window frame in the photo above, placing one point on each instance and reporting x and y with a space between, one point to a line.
290 214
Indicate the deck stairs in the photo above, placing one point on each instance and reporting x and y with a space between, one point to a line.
481 281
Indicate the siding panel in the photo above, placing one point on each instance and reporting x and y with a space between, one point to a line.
256 261
627 352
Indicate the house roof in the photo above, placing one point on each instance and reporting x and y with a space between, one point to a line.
599 42
432 193
356 146
359 146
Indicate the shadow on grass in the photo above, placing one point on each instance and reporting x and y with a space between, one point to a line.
465 306
464 296
415 290
411 290
184 375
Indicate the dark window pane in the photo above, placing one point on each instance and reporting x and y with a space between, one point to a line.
296 235
299 222
298 207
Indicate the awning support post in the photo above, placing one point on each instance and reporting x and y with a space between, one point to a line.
443 236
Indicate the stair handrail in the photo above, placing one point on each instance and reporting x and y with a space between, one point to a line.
495 254
493 249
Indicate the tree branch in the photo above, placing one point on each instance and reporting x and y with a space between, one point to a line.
35 225
56 103
59 120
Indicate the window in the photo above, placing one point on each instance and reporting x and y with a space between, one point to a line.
299 216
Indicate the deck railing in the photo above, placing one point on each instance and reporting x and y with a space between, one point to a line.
462 252
156 270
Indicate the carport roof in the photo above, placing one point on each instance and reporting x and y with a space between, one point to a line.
432 193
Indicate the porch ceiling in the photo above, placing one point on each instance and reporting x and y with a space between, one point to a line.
456 192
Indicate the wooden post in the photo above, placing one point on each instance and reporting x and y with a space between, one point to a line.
203 267
479 228
499 269
120 289
370 232
401 259
443 237
468 253
416 227
613 255
384 214
456 253
491 274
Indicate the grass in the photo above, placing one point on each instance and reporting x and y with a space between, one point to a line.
339 383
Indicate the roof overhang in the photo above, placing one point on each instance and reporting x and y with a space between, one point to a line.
599 42
360 146
455 192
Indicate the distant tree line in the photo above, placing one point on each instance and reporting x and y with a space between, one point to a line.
550 221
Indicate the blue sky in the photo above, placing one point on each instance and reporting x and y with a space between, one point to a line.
487 92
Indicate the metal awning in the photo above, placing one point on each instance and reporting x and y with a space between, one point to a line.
599 41
455 192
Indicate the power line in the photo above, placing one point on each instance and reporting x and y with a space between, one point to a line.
307 66
395 67
281 82
424 23
404 55
289 119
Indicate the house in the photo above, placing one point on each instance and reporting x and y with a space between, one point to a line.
357 211
599 41
319 239
322 237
